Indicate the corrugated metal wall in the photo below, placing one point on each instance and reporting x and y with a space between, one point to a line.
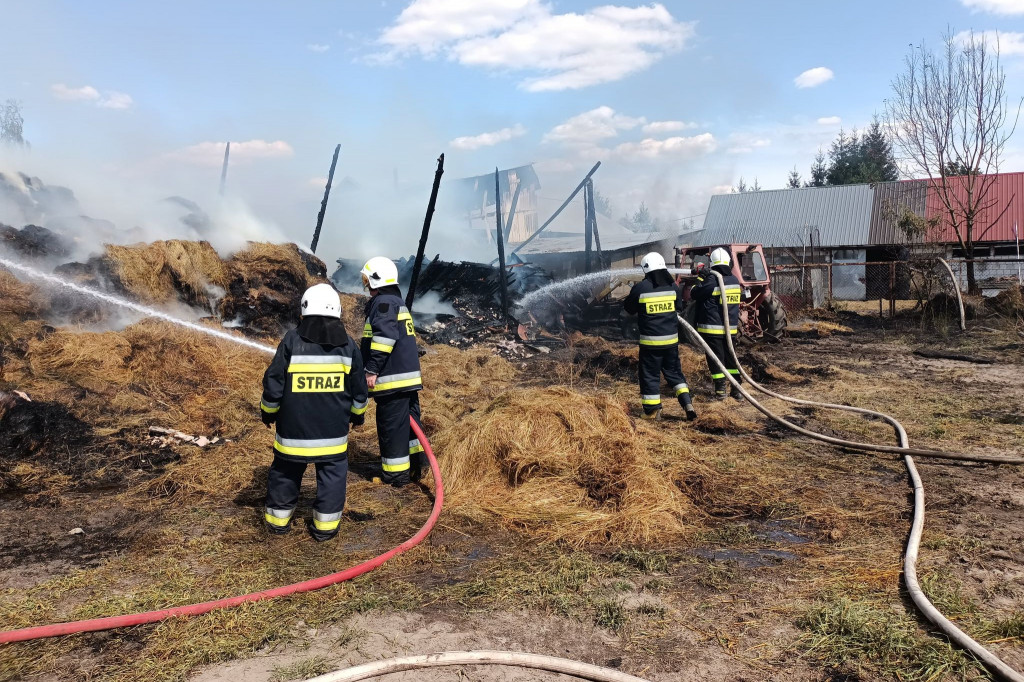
890 198
1004 207
828 216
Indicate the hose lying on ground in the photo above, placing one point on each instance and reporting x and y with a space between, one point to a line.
131 619
955 634
522 660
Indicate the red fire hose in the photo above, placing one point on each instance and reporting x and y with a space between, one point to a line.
131 619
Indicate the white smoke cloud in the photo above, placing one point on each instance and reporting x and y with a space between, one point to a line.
1004 7
111 99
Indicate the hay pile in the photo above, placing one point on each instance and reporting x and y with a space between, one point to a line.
165 271
566 466
1009 302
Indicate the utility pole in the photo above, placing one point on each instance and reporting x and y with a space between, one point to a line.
501 248
323 204
424 232
224 168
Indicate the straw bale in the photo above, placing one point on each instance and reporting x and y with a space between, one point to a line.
564 465
16 297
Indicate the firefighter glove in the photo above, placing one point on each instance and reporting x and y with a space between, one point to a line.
268 418
357 419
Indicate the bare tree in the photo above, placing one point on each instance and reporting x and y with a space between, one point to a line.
949 110
11 123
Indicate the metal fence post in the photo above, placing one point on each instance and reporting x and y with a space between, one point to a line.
892 290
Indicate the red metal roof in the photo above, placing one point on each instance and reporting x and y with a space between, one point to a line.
1003 207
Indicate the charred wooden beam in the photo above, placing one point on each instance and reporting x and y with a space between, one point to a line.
424 232
323 204
559 209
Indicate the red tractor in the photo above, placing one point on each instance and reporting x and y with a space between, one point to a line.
761 314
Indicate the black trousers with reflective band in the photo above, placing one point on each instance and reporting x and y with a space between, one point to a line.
285 478
655 362
721 348
400 451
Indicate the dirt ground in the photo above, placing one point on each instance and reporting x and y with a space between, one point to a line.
790 568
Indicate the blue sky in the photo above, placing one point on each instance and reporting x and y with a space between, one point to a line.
124 100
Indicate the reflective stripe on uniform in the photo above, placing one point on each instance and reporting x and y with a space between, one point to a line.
650 399
358 407
326 522
734 371
367 330
382 343
269 408
404 314
728 288
403 380
714 329
656 297
398 464
320 363
311 447
414 446
681 389
277 517
666 340
717 376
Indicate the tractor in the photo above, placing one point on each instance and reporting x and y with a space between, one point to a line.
761 313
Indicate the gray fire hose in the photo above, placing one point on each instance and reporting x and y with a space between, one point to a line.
550 663
959 298
955 634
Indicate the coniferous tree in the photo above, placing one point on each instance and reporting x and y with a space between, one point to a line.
794 181
844 159
755 187
819 171
741 187
877 162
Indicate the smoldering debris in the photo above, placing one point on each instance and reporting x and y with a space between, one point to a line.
33 242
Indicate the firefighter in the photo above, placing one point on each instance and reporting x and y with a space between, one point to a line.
392 372
313 389
708 300
656 300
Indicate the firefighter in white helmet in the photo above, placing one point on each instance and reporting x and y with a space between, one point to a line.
392 364
710 325
313 389
656 300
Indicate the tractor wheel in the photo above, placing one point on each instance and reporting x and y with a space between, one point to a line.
773 320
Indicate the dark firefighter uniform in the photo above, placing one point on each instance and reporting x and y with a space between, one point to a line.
311 390
656 300
389 351
708 300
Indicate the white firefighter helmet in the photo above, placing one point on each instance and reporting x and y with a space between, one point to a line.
653 261
323 300
379 272
720 257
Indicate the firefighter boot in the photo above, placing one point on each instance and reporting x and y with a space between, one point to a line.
687 404
319 535
721 392
652 416
734 392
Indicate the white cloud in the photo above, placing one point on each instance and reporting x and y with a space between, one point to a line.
829 121
212 153
659 127
86 92
674 147
566 51
812 78
1010 44
319 48
741 143
319 182
591 126
116 100
109 100
488 139
995 6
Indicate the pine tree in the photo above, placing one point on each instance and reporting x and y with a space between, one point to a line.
755 187
819 171
794 181
877 161
741 187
